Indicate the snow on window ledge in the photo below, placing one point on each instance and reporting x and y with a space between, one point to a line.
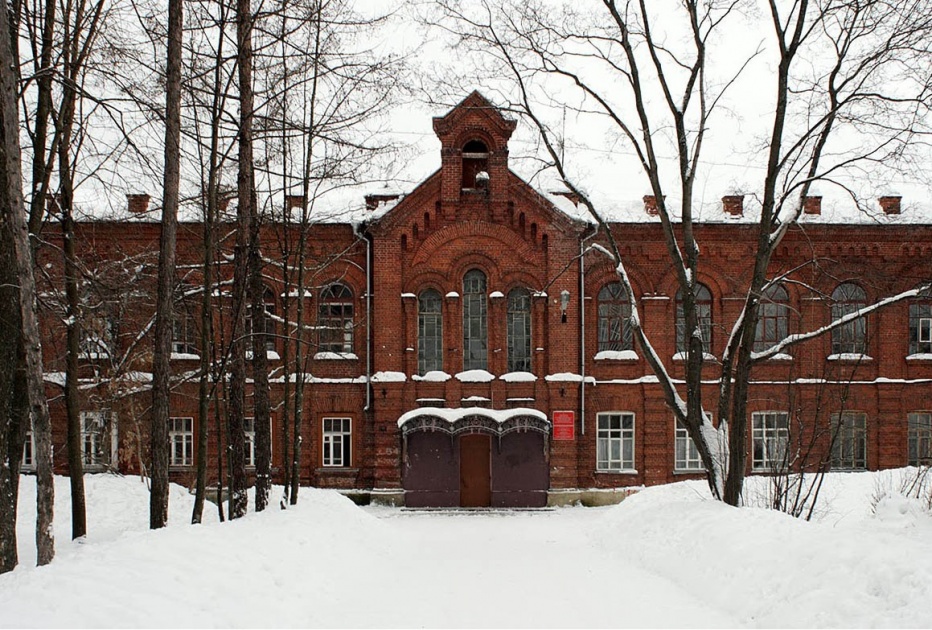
434 376
389 377
616 355
626 471
184 356
780 356
518 377
453 295
849 356
495 295
271 355
681 356
475 376
920 356
334 356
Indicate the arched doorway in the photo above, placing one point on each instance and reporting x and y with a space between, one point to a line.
475 457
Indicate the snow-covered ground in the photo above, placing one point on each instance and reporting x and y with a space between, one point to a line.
665 557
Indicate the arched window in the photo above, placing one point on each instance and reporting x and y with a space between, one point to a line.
851 338
519 330
475 161
614 318
335 319
920 324
703 313
429 332
185 320
475 325
773 318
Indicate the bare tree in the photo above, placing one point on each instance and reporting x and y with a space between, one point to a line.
842 69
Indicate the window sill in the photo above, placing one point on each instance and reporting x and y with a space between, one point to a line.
336 470
920 357
180 468
335 356
706 357
689 471
270 355
850 357
616 472
615 355
184 356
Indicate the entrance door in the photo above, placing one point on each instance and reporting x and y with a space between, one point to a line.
475 471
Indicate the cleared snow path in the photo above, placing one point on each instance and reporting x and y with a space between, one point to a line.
667 556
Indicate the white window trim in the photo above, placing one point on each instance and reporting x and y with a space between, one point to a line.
189 456
108 417
324 440
625 434
677 468
250 441
31 441
925 330
768 464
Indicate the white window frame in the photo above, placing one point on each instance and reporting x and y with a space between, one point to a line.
184 436
849 444
615 447
925 330
769 438
690 462
29 447
336 438
104 419
919 438
249 441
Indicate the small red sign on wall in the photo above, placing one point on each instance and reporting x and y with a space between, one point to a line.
564 425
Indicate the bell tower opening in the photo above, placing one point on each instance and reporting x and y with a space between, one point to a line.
475 165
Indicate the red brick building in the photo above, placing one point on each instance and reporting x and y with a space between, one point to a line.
468 347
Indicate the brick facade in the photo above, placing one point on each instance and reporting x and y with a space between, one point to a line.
475 214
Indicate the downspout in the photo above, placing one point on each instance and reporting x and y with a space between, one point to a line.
368 238
582 328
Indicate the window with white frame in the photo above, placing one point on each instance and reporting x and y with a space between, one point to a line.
850 338
615 443
338 438
771 436
703 301
849 441
920 438
920 328
29 451
335 319
181 440
184 330
687 455
249 429
95 445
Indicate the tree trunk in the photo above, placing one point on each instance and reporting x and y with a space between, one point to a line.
16 240
260 371
73 348
245 200
161 367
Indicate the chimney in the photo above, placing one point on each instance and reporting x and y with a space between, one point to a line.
733 205
573 197
373 200
294 202
650 205
890 204
137 203
812 204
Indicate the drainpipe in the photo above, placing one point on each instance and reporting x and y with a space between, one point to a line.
368 238
582 327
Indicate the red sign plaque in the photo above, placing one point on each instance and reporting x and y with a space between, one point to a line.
564 425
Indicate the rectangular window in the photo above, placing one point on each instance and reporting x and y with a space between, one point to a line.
849 441
771 436
249 428
687 455
29 451
338 438
95 448
181 440
920 328
920 438
615 444
184 332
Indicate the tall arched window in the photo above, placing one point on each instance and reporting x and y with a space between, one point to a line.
475 325
335 319
614 318
268 303
519 331
703 313
773 318
429 332
851 338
